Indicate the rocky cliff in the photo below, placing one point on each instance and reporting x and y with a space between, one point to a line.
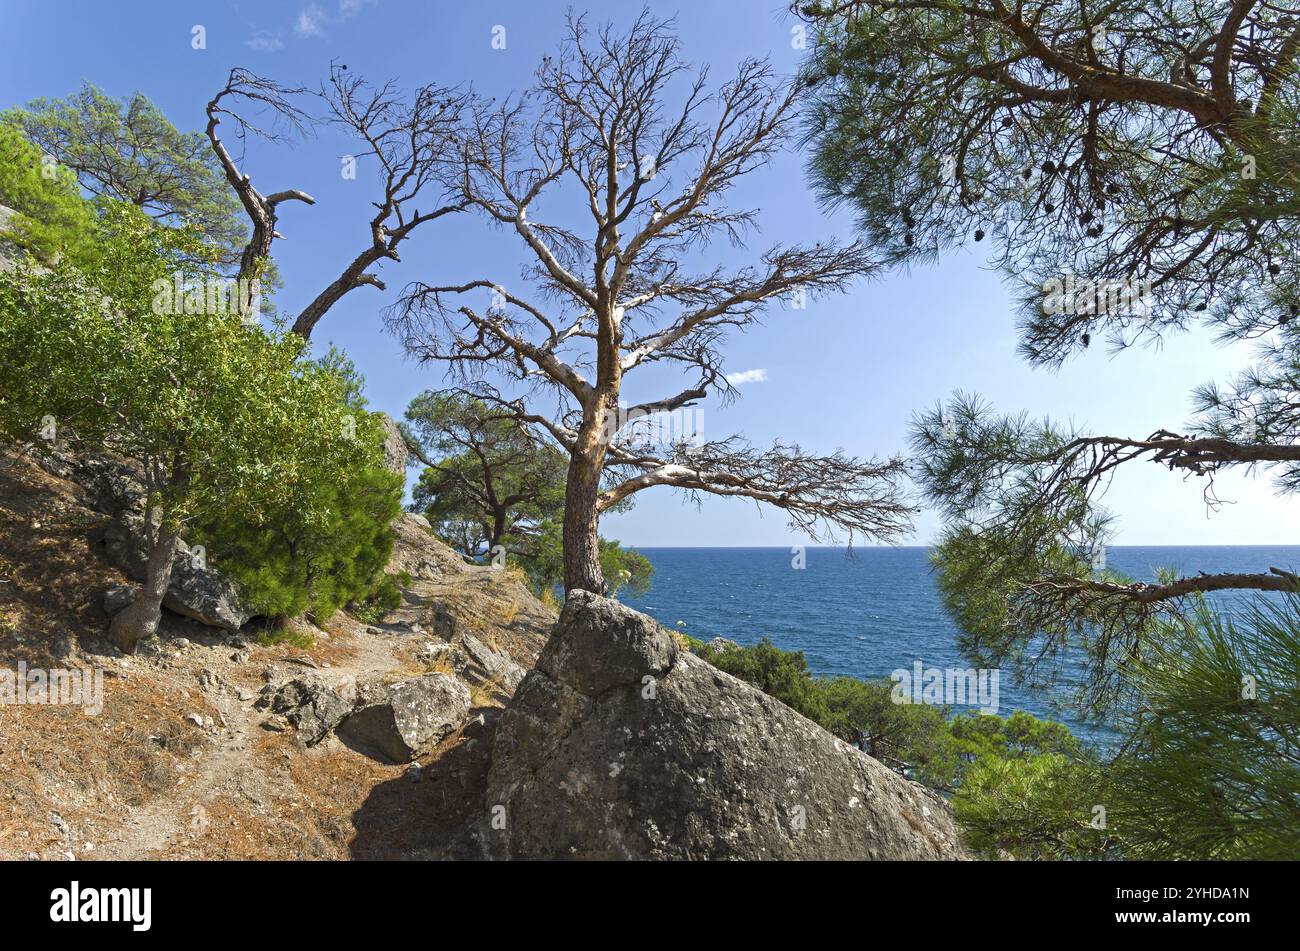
338 740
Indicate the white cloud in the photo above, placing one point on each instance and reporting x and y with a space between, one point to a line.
747 376
311 21
263 42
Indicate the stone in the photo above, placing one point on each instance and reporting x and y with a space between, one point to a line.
498 666
722 644
404 720
598 644
310 705
396 452
118 596
619 746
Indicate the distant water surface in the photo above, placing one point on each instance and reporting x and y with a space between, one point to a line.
879 610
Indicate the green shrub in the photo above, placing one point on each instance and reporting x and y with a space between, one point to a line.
384 597
53 219
248 448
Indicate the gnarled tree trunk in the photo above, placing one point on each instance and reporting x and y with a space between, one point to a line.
140 618
582 526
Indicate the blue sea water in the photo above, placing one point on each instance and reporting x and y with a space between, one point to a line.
879 610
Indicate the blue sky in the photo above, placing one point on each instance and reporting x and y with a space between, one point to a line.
847 372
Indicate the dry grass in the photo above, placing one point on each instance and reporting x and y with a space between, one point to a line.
440 664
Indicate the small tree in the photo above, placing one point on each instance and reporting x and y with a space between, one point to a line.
488 483
598 129
491 487
225 421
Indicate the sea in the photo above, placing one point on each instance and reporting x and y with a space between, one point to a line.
872 611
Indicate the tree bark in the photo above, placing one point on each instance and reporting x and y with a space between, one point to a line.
139 619
582 526
353 276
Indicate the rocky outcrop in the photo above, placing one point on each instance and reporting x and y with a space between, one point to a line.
619 745
113 487
404 720
396 453
493 665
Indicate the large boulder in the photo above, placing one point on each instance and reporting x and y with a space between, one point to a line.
618 745
196 591
405 720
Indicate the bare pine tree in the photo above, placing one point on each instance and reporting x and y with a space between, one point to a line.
412 138
599 129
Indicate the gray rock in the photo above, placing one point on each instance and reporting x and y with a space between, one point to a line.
309 704
617 746
498 666
114 487
598 644
275 724
119 596
196 592
722 644
404 720
395 451
111 484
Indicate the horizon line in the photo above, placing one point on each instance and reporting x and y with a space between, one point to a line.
894 547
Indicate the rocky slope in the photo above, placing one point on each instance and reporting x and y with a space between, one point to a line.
389 740
188 757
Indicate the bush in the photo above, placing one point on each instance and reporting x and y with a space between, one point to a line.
319 556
